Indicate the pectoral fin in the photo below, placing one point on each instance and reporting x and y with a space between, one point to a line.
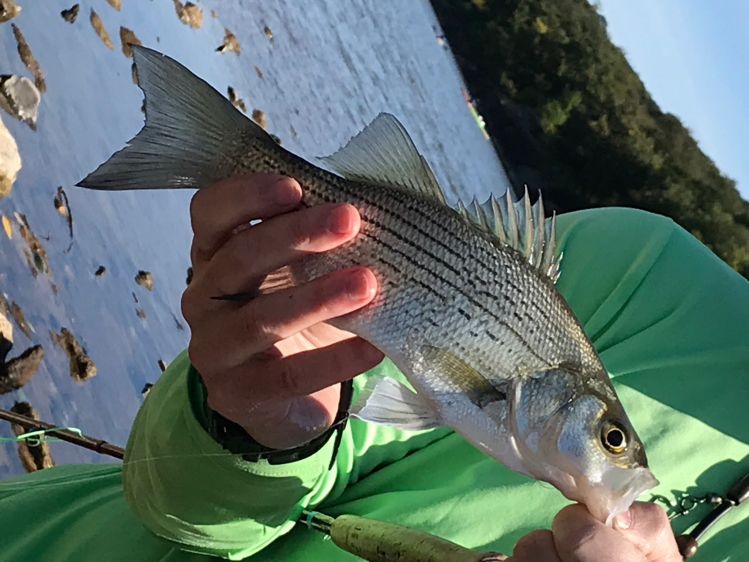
386 401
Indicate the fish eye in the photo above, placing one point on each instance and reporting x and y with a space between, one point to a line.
613 438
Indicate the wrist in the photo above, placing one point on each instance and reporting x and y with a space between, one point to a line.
248 441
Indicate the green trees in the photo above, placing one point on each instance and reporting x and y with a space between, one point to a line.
570 116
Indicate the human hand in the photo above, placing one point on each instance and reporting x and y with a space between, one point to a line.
642 534
272 365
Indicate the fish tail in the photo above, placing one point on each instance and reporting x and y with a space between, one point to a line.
193 136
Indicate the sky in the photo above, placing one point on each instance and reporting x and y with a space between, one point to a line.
693 57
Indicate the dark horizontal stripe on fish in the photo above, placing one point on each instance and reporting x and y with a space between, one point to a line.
430 289
457 289
405 199
395 234
409 202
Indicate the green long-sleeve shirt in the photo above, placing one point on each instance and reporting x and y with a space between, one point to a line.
670 320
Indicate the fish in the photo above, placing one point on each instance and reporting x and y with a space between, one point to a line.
466 307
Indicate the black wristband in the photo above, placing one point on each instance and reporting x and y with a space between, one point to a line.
236 440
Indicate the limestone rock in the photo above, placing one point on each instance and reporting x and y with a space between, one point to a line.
8 10
6 336
230 44
20 98
189 14
34 456
235 100
82 367
145 279
17 372
71 13
258 116
27 57
17 312
128 39
101 31
10 161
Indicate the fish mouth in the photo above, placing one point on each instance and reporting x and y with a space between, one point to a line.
616 492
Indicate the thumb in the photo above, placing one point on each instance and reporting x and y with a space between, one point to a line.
579 537
647 527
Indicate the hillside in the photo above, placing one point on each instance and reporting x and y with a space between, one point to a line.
570 116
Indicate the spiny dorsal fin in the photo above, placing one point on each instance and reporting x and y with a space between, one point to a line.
520 225
383 153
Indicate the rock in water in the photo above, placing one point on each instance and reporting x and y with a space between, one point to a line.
8 10
10 162
33 456
258 117
6 336
20 98
128 39
17 312
235 100
71 13
98 26
82 367
146 389
28 58
7 227
63 207
230 44
17 372
145 279
36 255
189 14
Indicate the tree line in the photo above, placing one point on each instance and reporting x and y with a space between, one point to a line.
569 115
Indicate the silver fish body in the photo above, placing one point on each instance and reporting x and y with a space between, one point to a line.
466 306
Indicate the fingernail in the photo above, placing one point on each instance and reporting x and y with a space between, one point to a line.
340 220
623 520
288 192
358 286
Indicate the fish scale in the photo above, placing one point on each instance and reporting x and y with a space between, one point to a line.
466 305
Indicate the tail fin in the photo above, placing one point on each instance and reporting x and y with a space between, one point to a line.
191 138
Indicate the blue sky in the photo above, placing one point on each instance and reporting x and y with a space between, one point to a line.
693 57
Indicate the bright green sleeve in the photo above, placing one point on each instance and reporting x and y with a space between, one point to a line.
185 487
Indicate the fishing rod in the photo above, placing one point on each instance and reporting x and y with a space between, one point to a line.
380 541
64 434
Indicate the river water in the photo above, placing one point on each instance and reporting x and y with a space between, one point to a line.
328 70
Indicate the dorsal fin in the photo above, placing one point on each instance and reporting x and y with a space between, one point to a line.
383 153
519 225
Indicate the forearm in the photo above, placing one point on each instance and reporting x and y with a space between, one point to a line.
186 487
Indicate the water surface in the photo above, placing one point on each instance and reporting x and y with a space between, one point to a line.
330 68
